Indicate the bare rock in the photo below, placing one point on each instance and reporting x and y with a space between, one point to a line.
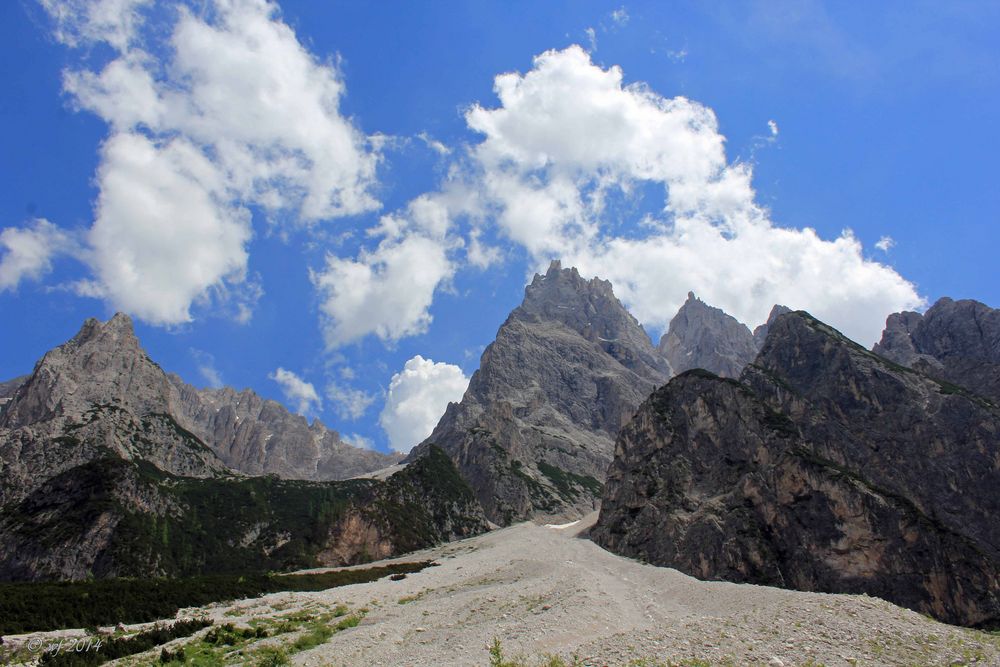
957 341
701 336
534 432
824 468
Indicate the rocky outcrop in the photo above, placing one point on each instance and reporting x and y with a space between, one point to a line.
824 468
700 336
8 387
760 333
534 432
257 436
957 341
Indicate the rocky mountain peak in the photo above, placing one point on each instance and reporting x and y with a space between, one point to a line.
104 363
533 433
955 340
760 333
701 336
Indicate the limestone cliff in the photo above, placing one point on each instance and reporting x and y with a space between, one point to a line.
825 467
534 432
957 341
701 336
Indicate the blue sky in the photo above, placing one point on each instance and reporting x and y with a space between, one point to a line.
312 199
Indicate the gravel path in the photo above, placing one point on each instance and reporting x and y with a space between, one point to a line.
546 590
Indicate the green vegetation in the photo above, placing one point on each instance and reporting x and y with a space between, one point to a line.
49 606
289 634
104 649
417 503
567 483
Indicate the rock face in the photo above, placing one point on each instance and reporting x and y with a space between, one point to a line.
760 333
534 432
824 468
95 394
700 336
257 436
106 470
7 389
100 390
957 341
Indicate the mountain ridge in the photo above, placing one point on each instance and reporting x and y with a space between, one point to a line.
810 472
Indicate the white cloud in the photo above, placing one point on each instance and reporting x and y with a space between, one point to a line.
387 291
351 404
28 251
235 113
885 243
569 132
620 16
434 144
418 396
773 128
592 38
164 234
358 440
78 22
299 393
206 368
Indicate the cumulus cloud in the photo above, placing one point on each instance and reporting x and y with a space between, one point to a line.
164 233
230 111
350 404
418 396
567 133
28 251
300 394
387 291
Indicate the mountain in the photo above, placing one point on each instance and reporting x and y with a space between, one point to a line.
825 468
103 390
97 393
257 436
112 517
957 341
534 432
701 336
110 467
760 333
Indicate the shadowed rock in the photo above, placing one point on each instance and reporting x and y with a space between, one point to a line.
824 468
957 341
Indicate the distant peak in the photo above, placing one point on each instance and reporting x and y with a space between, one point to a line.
692 297
119 327
120 322
554 266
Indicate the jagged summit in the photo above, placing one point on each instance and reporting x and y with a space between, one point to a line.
533 433
702 336
760 333
955 340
